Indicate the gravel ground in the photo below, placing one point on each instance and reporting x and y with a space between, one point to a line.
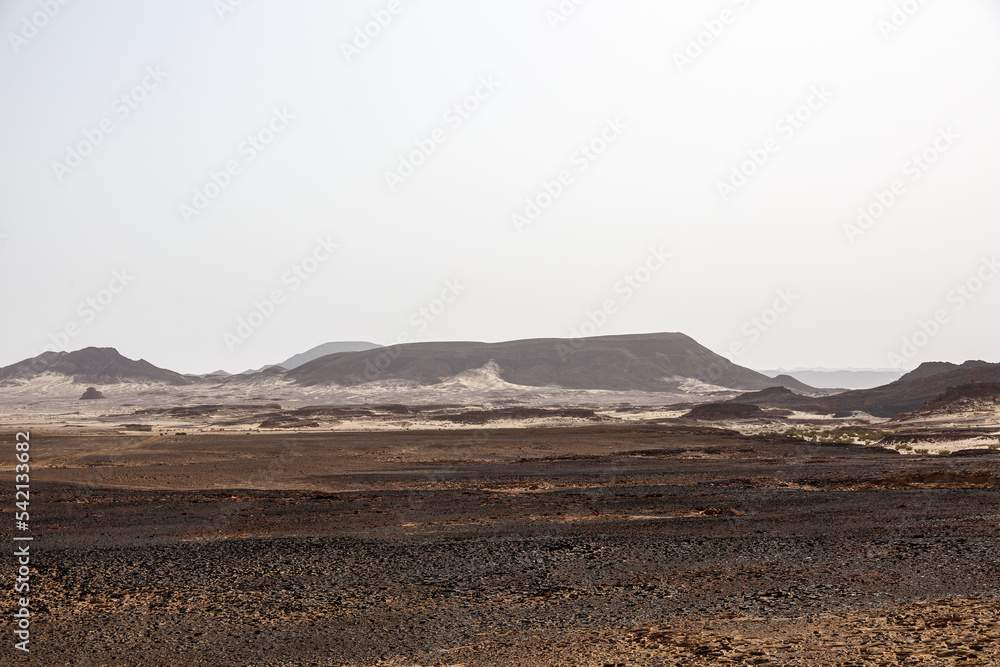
714 550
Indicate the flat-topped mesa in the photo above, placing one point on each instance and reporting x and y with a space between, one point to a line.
659 362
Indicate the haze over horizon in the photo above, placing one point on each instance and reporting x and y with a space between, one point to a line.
496 222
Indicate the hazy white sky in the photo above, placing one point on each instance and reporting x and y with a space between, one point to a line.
213 158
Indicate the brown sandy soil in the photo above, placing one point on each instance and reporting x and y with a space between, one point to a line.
581 545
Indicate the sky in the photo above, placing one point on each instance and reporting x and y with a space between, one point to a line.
224 183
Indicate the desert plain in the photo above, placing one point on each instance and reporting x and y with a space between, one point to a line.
446 534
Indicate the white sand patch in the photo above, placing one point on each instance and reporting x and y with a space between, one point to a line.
937 447
644 415
699 388
486 378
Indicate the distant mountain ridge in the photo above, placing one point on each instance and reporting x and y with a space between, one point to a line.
845 378
325 349
662 362
646 362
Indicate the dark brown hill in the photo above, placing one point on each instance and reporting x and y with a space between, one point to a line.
907 394
643 362
92 365
929 368
772 396
971 396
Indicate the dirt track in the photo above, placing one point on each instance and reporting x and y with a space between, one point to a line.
578 546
